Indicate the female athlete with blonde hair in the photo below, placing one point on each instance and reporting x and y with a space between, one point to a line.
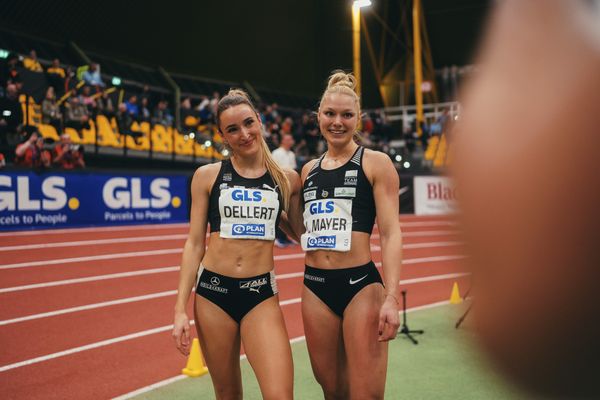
349 315
236 294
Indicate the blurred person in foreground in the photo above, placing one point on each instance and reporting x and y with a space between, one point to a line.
527 170
236 297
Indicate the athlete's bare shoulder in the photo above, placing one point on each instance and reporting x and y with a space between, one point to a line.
377 163
307 167
205 175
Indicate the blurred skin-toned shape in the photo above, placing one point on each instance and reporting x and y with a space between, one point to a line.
527 164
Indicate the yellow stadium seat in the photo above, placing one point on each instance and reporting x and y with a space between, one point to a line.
106 134
73 135
48 131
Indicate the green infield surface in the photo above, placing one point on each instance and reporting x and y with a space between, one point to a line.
446 364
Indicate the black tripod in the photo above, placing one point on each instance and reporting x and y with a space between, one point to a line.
404 330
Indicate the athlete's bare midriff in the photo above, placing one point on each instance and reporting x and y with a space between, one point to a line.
238 258
359 254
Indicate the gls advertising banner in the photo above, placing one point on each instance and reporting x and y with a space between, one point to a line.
434 195
52 200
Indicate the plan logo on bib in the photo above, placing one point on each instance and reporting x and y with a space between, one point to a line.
321 242
248 230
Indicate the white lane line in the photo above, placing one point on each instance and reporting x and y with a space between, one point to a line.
89 307
89 279
95 242
174 292
118 340
103 343
176 268
298 339
91 258
178 250
44 232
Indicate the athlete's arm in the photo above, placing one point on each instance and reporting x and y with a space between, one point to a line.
193 251
294 214
385 191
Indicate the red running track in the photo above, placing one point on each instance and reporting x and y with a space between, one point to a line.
87 312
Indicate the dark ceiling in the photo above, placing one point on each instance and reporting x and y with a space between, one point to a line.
289 46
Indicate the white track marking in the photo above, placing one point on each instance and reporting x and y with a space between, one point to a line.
184 225
43 232
89 279
91 258
298 339
174 292
95 242
175 268
178 250
90 307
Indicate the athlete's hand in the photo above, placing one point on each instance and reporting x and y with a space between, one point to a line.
389 319
181 333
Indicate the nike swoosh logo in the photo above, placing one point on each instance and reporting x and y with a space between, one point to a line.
311 175
358 280
403 190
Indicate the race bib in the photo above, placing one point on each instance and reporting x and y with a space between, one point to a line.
248 213
328 224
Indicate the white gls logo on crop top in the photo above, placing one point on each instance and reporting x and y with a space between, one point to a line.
328 224
248 213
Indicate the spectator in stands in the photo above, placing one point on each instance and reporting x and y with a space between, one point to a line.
147 94
144 108
132 107
2 161
77 115
56 76
51 114
285 158
67 155
311 134
31 153
105 105
89 101
12 74
92 76
214 101
162 115
31 62
70 80
188 115
11 117
204 110
124 121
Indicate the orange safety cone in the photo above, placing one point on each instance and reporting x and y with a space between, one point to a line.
195 364
455 296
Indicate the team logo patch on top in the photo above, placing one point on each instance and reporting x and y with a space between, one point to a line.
248 230
312 195
353 172
321 242
253 285
227 177
223 186
324 193
344 192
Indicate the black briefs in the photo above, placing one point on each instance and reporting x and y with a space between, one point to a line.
236 296
337 287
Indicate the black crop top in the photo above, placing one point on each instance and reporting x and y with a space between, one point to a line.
337 202
244 208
